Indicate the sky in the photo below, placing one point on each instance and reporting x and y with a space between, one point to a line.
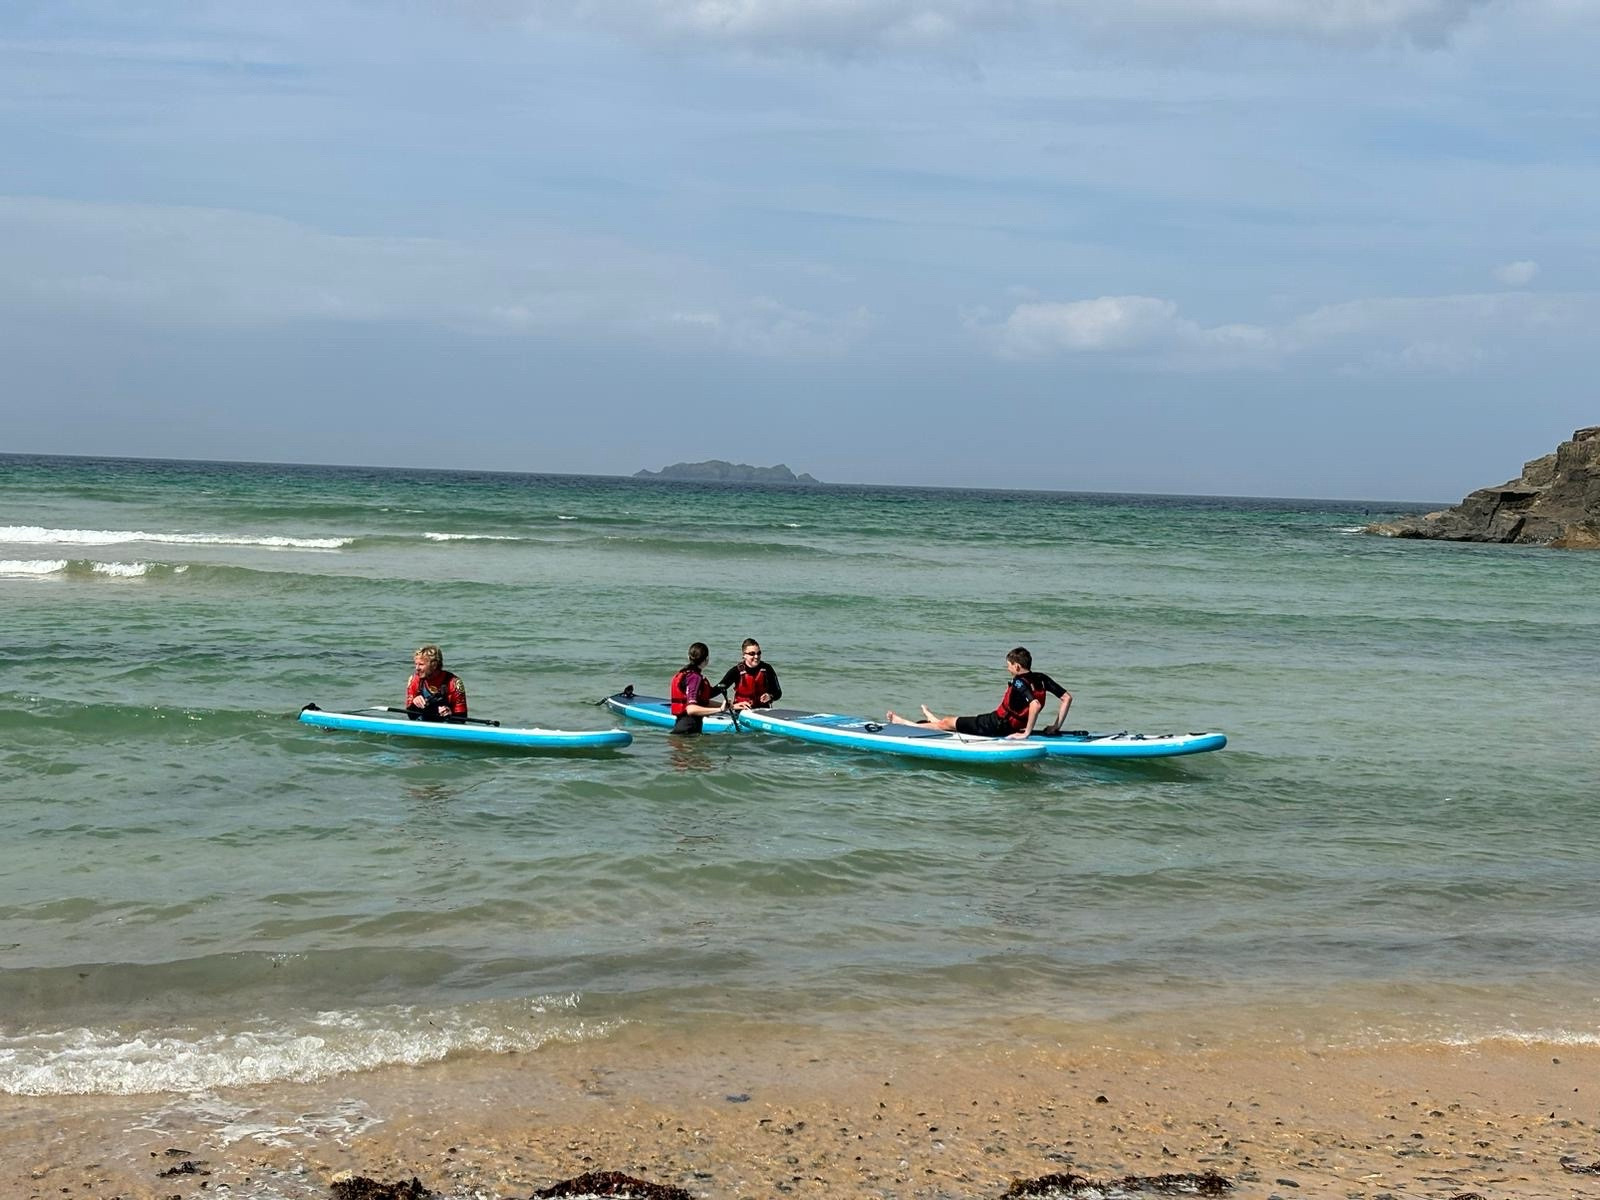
1342 248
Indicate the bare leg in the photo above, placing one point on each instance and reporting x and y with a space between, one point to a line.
945 723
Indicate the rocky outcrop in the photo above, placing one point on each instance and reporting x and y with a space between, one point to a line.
715 470
1554 502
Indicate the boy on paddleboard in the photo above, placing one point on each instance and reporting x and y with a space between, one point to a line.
1018 710
432 693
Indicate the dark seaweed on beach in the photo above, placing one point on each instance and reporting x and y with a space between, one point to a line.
362 1188
1578 1168
613 1183
186 1167
1208 1183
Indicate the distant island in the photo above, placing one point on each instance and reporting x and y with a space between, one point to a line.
714 470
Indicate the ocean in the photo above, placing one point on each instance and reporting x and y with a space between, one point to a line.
198 893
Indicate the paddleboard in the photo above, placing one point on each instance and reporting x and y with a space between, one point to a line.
395 723
1079 743
915 741
657 711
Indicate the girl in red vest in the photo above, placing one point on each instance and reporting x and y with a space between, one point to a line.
692 693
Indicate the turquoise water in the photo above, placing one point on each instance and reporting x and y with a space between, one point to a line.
195 890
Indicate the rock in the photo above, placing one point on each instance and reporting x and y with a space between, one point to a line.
1554 502
715 470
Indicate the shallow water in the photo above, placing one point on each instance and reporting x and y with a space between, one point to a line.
197 891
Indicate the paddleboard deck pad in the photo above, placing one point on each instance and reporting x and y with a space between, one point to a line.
657 711
395 723
1080 743
913 741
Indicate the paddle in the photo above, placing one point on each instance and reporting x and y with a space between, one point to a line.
446 721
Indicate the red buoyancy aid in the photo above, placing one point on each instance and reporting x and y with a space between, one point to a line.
433 697
752 685
680 690
1020 694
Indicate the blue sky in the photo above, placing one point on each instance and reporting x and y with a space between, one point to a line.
1254 247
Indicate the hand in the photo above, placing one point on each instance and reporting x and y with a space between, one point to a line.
766 698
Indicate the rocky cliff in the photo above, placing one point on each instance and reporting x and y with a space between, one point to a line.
1554 502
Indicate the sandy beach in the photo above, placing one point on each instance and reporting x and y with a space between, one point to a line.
847 1116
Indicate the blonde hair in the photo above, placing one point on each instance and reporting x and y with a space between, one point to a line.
432 653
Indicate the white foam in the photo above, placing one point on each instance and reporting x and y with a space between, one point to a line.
40 536
31 567
471 537
121 570
236 1122
1520 1037
87 1061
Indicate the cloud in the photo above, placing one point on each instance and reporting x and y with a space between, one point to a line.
848 26
1517 274
1124 328
178 266
1433 335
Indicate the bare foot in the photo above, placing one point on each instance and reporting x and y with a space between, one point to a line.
894 718
928 716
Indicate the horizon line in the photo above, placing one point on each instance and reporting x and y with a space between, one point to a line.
656 478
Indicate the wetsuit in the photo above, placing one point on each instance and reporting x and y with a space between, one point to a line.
751 683
440 688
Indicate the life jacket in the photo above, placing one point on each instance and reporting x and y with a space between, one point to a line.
680 690
432 698
1020 694
751 685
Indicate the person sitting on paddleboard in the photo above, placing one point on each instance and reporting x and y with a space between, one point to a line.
432 693
1017 711
692 693
754 682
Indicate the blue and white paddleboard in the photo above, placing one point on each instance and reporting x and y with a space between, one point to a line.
657 711
915 741
1079 743
395 723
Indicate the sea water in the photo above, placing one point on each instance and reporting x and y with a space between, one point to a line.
197 891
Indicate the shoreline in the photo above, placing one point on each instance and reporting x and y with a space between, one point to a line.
855 1115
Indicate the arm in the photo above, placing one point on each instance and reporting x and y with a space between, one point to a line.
695 704
1034 709
457 697
774 692
1066 703
1061 693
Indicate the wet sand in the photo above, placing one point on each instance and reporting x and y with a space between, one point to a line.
850 1116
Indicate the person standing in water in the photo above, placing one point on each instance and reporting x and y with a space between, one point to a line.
432 693
692 693
754 682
